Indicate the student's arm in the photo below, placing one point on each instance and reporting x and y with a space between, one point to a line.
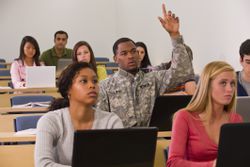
181 68
15 75
178 145
103 102
46 140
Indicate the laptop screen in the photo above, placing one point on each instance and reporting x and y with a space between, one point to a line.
40 76
133 147
164 109
234 145
62 64
243 108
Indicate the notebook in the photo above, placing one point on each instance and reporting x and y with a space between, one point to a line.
40 76
243 107
132 147
62 64
234 145
164 109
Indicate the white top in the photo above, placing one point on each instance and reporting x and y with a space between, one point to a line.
55 135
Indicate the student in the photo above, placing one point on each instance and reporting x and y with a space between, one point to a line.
196 129
144 61
78 86
243 77
29 56
131 93
51 56
83 52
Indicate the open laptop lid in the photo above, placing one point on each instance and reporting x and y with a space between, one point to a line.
62 64
243 107
133 147
40 76
234 145
164 109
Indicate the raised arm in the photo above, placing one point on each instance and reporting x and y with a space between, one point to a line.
170 22
181 68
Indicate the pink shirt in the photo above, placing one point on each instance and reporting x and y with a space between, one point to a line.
190 144
18 74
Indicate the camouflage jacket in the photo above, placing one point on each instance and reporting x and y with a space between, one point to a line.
132 97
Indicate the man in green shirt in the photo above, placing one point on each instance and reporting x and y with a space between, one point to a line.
51 56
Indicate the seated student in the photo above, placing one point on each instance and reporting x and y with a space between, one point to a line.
196 129
131 93
243 77
83 52
29 56
79 88
51 56
144 61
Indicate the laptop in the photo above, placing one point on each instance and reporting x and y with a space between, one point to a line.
62 64
243 107
40 76
132 147
164 109
234 145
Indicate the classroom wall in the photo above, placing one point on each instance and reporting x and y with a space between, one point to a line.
213 29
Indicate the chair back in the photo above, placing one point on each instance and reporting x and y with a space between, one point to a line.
3 66
101 59
26 122
19 100
4 72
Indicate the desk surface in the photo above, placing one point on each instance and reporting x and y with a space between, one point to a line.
52 89
5 78
22 110
12 137
164 134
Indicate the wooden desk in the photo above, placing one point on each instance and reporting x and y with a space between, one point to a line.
160 160
7 121
17 155
5 98
10 152
10 110
164 134
25 90
12 137
5 78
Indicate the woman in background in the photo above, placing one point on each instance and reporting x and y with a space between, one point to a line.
83 52
145 64
29 56
78 85
196 129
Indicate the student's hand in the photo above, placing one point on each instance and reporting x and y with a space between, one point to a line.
170 22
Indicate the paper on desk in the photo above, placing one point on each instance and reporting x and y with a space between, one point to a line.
33 104
31 131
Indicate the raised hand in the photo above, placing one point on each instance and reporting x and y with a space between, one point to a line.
170 22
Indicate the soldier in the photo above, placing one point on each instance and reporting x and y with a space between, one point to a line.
131 93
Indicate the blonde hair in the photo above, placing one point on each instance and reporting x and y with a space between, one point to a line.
202 100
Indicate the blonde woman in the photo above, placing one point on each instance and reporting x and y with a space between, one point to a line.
196 129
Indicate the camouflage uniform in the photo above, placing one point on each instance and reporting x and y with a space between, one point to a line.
132 97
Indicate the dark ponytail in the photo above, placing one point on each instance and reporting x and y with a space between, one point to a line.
59 103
